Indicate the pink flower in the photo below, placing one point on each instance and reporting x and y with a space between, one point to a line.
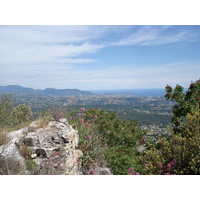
147 164
137 173
95 117
105 145
167 174
76 124
49 174
173 162
83 109
131 169
160 165
91 172
89 137
169 166
81 120
78 160
70 117
82 124
130 174
108 131
84 114
86 123
79 114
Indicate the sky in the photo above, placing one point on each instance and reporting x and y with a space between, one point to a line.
99 57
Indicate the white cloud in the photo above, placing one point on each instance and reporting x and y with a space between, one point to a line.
157 35
44 56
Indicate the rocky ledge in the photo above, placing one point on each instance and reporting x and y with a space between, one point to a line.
52 149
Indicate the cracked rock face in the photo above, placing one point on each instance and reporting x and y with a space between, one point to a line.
53 147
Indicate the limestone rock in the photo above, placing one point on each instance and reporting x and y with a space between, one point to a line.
53 147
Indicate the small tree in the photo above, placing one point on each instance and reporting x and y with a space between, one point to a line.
185 102
6 111
22 112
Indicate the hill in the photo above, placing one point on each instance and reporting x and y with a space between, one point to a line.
46 92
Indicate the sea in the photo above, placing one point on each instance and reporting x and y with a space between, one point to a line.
133 92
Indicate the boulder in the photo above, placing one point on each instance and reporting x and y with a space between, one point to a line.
53 148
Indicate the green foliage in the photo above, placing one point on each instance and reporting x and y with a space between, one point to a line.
108 134
31 165
184 148
6 111
120 159
22 112
11 116
185 102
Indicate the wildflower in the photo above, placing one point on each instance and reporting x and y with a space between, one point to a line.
89 137
83 109
79 114
169 166
95 117
160 165
105 145
130 174
78 160
147 164
81 120
70 117
86 123
84 114
137 173
49 174
131 169
173 162
167 174
82 124
108 131
91 172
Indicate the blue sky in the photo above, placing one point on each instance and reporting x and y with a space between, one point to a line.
99 57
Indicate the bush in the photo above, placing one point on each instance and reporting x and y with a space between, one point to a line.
57 113
104 135
31 166
6 111
181 147
22 113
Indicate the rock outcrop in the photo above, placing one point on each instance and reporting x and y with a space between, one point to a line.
51 148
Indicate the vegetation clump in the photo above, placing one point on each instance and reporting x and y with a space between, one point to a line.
108 141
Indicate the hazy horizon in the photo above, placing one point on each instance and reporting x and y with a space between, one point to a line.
97 57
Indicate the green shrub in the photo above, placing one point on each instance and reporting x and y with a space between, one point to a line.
31 166
181 147
112 138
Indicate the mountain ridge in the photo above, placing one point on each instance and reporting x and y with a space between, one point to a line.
45 92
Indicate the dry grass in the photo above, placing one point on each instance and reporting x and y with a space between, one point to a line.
10 166
25 151
4 139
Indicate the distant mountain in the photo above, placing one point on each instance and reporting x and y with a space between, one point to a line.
48 91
